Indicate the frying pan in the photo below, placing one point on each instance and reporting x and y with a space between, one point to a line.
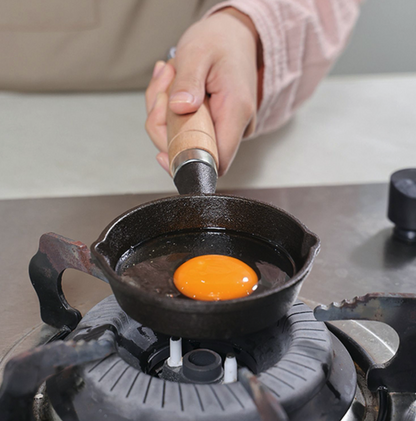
222 220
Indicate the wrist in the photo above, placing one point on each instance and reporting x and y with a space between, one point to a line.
244 19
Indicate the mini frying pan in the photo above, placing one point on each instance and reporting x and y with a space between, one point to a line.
138 252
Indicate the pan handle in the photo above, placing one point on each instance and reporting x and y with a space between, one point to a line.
190 136
55 254
190 132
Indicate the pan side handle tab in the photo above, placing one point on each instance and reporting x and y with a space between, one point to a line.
55 255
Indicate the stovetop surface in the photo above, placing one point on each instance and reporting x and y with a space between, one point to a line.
358 253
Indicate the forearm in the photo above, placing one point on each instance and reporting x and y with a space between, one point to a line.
300 41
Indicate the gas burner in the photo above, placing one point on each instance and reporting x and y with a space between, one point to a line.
112 367
303 365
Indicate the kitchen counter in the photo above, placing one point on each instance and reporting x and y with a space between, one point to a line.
353 130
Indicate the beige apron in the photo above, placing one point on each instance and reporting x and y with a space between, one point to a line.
78 45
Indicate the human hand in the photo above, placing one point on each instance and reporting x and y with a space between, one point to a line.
215 56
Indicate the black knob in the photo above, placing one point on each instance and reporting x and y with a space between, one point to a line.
402 204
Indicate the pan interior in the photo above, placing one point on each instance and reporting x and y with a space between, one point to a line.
152 263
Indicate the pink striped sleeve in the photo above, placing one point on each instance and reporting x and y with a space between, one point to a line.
301 40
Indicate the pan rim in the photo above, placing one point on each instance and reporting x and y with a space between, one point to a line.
189 305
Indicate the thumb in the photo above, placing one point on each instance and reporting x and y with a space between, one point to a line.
188 89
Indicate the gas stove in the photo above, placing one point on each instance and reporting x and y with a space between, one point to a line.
112 367
303 368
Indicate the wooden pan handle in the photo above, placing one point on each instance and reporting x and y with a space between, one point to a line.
191 131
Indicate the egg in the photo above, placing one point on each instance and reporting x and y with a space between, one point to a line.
214 277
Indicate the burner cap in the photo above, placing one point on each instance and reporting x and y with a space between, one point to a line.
202 366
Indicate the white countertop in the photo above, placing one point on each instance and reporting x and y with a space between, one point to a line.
353 130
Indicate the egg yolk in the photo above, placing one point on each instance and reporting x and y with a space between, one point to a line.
214 277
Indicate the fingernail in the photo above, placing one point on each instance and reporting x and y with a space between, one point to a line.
159 66
181 97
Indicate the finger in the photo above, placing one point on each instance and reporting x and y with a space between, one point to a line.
156 122
163 160
164 74
158 67
249 130
233 118
188 89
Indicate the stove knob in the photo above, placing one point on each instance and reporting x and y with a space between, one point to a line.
402 204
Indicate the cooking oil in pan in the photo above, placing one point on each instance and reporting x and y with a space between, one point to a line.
152 264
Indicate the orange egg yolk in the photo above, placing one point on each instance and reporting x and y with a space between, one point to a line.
213 277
